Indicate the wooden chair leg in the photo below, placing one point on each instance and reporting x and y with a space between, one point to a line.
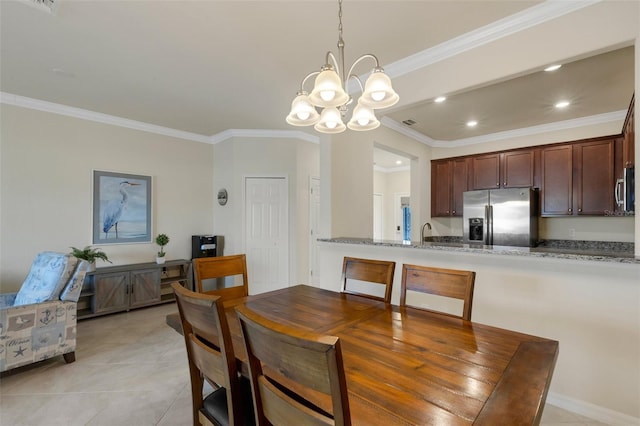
69 357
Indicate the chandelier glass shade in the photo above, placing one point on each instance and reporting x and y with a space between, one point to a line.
327 105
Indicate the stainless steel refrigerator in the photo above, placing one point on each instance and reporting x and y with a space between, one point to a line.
505 217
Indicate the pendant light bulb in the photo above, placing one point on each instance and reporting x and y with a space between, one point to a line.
378 92
327 91
363 118
330 121
302 112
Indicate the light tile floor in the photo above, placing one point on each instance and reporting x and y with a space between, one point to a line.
130 369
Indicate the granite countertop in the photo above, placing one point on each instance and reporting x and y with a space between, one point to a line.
600 251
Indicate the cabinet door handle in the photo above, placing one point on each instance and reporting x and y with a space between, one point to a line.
579 210
454 212
570 210
498 184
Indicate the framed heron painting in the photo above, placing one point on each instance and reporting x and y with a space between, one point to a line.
121 208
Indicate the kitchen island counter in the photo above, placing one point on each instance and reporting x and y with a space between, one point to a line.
589 251
584 295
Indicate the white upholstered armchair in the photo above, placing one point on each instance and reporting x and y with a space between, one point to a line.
39 321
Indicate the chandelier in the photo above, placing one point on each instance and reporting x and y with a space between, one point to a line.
328 103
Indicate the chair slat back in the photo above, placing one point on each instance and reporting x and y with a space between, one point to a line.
370 271
209 348
294 373
453 283
219 267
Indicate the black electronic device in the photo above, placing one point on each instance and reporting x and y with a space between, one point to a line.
206 246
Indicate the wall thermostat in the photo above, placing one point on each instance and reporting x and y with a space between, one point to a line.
222 197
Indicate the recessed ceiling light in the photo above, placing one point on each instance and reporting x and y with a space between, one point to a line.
562 104
472 123
398 162
440 99
552 68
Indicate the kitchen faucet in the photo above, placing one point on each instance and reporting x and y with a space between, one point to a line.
422 237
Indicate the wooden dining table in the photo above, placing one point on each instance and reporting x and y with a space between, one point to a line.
406 366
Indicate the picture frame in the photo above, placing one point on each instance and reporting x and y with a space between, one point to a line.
121 208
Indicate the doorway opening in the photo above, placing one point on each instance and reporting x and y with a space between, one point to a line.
391 194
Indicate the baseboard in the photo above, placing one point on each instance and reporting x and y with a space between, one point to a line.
595 412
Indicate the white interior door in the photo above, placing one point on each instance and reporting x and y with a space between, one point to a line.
314 226
267 233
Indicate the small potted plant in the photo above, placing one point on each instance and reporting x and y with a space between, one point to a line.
90 255
161 240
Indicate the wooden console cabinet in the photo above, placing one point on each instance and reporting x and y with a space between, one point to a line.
125 287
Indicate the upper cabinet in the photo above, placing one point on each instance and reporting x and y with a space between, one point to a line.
448 181
575 178
556 169
485 171
503 170
594 177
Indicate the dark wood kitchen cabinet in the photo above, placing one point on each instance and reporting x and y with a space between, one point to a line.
449 179
595 178
556 166
578 178
503 170
485 171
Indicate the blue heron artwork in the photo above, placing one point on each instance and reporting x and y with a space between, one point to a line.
122 208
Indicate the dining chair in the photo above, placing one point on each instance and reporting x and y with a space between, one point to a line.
314 390
228 274
366 272
211 358
452 283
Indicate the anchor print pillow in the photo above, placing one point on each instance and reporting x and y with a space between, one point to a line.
49 273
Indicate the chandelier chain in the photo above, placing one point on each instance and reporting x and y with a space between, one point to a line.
340 19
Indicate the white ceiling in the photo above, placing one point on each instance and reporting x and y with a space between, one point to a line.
209 66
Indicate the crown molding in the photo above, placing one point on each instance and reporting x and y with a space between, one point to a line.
536 130
501 28
263 133
507 134
83 114
407 131
22 101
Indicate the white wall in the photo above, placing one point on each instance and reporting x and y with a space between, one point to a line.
47 162
348 159
591 308
237 158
